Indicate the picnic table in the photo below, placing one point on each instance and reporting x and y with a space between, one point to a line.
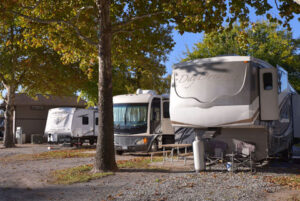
176 147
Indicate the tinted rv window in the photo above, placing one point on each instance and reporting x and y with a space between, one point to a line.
282 80
155 110
130 118
97 121
268 81
166 110
85 120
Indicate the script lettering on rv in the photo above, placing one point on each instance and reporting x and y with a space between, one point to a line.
188 80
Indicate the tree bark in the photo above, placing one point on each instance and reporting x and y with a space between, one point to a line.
8 122
138 79
105 152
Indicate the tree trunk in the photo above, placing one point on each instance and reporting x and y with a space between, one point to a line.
105 152
138 79
8 122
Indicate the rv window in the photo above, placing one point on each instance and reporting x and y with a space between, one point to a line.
96 121
85 120
268 81
282 80
166 110
155 110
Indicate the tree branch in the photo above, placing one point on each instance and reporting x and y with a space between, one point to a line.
276 4
50 21
81 9
21 77
126 31
4 81
125 23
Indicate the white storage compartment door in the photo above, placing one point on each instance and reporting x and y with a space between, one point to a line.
296 115
269 109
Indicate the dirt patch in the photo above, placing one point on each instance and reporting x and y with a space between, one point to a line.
284 195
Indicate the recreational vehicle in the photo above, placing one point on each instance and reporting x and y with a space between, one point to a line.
141 121
72 125
236 98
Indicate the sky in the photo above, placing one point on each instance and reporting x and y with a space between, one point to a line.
187 40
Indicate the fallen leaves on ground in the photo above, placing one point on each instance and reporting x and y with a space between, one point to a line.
292 182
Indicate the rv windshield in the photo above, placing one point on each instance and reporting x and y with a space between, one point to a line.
130 118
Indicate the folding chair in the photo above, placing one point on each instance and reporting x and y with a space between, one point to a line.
243 155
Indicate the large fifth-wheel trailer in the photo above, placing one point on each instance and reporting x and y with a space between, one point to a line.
236 97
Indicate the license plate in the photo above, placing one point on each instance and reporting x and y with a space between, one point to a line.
124 147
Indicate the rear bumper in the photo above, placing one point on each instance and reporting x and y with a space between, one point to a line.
58 138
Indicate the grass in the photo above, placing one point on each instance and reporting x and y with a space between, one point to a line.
84 173
58 154
78 174
138 163
292 182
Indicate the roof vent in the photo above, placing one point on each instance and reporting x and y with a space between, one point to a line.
140 91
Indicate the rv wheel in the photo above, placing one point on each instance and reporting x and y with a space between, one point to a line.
286 155
119 152
92 141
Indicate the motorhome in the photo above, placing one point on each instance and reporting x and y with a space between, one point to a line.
236 97
141 121
72 125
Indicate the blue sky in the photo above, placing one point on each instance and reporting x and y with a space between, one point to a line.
187 40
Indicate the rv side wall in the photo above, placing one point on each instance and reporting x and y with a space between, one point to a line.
82 124
296 115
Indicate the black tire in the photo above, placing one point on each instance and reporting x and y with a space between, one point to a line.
119 152
286 155
91 141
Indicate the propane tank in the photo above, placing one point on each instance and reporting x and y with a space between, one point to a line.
199 153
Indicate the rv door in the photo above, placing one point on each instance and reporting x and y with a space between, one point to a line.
269 108
166 125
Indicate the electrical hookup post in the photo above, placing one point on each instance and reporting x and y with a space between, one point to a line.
199 151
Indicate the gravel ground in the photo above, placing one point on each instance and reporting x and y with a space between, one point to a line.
27 180
24 149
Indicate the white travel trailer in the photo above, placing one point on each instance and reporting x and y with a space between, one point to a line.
141 121
72 125
236 97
